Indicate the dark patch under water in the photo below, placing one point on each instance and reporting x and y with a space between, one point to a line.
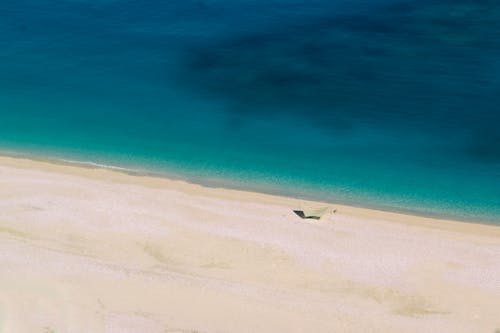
434 65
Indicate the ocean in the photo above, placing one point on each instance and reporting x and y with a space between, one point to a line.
387 104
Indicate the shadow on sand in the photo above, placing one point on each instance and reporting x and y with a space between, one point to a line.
301 214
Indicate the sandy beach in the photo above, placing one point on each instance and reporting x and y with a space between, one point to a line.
96 250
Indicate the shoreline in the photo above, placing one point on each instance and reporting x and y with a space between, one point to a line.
229 185
145 178
92 249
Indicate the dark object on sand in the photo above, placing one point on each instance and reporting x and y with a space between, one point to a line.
314 213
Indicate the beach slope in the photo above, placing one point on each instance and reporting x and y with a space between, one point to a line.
97 250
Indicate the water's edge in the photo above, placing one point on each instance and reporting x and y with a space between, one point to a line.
230 185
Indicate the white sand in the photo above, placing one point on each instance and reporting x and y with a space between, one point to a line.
93 250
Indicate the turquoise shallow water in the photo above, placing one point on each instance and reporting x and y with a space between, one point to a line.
390 104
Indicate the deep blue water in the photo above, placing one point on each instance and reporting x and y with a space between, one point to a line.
385 103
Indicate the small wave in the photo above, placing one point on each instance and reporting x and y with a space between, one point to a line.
97 165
